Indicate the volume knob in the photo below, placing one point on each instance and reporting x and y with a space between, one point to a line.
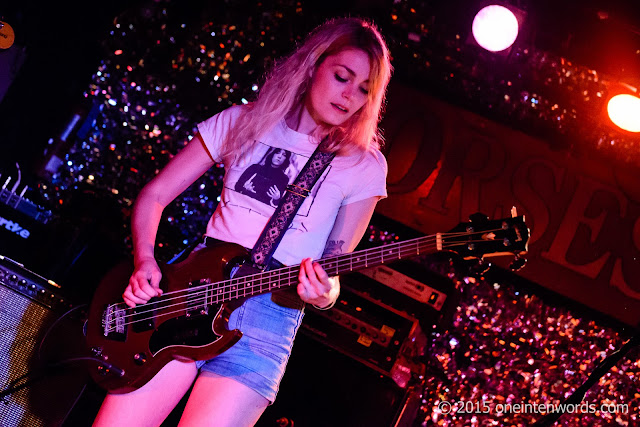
140 359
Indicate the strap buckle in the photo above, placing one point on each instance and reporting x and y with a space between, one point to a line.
292 188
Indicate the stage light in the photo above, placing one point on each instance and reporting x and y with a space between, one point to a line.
495 28
624 112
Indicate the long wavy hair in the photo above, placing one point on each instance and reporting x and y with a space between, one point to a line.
268 160
285 88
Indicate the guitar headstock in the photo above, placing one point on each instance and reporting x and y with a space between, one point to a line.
481 237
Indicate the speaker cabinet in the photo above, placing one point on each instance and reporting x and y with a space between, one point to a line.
29 312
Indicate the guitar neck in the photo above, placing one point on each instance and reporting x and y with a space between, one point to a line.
366 258
345 263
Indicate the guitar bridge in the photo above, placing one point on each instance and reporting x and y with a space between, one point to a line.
113 322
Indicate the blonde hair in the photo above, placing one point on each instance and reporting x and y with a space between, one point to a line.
287 84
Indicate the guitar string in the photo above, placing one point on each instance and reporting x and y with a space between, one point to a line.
189 305
196 292
238 282
286 276
365 253
291 273
336 257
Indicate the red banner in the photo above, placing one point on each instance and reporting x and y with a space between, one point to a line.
584 213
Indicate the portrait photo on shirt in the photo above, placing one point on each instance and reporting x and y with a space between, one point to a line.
264 176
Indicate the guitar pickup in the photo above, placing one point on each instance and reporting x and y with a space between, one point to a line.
198 298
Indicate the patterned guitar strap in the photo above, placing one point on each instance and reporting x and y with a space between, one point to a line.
289 204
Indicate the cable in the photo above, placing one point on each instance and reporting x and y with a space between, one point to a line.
603 367
46 334
41 373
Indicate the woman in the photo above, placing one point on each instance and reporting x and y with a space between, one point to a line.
333 84
267 180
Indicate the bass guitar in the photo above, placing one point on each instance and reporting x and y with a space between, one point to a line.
190 320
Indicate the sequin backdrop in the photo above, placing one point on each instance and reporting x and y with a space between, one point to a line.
164 71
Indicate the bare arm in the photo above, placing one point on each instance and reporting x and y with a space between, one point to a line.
315 286
186 167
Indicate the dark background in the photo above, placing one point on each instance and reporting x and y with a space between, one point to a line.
63 49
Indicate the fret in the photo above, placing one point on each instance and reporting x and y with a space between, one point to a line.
277 278
255 285
274 280
350 262
234 288
265 287
283 279
333 267
264 280
382 256
292 276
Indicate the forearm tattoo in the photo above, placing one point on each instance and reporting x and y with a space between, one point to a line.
333 247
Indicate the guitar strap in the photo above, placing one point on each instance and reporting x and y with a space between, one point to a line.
289 204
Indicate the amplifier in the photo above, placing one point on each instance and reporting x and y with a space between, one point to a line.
30 310
410 287
381 314
23 236
407 285
362 328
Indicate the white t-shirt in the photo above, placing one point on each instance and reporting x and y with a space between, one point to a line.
253 186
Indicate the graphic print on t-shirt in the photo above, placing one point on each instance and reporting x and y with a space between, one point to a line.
264 176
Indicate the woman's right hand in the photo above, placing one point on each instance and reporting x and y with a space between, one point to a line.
144 283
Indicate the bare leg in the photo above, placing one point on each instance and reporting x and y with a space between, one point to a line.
151 403
222 402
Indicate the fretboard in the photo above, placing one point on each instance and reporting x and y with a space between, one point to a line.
272 280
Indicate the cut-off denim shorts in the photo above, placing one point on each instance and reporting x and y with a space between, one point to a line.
259 359
269 323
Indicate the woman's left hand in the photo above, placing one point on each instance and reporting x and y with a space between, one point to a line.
315 286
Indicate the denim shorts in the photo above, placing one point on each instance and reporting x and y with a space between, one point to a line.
258 360
269 323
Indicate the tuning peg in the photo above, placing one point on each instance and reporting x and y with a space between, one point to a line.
478 217
517 263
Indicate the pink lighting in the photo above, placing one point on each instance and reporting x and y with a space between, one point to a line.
624 112
495 28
